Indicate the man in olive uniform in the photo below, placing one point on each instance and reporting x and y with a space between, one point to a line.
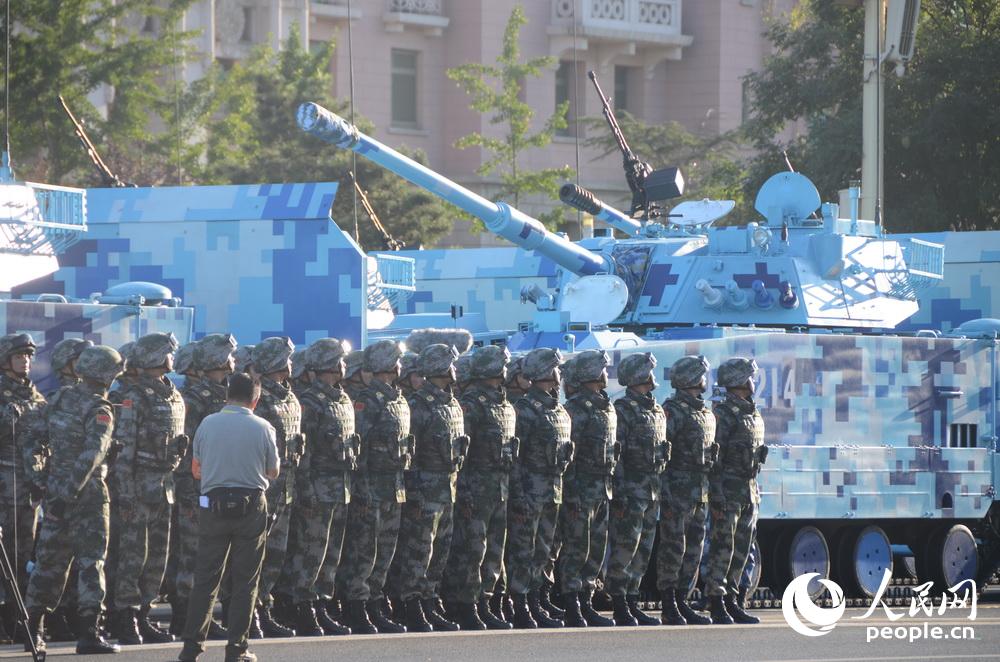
684 488
19 400
320 516
543 426
733 495
382 419
425 534
203 394
77 512
150 429
635 505
272 360
35 426
583 517
480 520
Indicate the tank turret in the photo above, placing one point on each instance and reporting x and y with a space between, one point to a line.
499 217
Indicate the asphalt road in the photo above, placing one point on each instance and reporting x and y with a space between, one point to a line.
771 640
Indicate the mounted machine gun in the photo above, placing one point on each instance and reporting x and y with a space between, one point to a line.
108 178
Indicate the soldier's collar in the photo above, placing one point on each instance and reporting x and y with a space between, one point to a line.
745 404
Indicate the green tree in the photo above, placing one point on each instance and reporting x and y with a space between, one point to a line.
257 139
131 49
496 90
942 146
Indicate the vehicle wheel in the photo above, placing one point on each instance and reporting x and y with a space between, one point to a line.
950 556
862 558
808 552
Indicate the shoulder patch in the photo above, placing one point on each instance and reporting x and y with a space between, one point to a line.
103 419
588 404
127 402
321 396
359 406
429 398
149 391
206 393
482 398
536 403
379 396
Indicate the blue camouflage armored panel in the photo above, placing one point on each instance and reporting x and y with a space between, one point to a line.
256 261
111 325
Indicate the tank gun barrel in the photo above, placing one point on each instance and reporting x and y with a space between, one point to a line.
499 217
580 198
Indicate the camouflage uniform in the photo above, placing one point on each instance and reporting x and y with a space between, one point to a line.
684 488
20 402
202 397
583 517
733 487
440 445
321 514
279 407
77 503
150 429
480 519
382 420
543 426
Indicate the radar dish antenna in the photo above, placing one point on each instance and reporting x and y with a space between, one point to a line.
786 196
596 299
695 213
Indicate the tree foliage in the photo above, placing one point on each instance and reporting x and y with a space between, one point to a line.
256 139
87 46
496 90
942 143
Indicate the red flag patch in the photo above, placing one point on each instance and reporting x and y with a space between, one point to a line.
127 403
359 406
103 419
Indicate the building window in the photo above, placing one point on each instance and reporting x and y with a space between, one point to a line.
566 81
247 36
404 89
745 102
621 99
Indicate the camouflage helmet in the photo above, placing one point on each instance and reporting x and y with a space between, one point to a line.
687 371
325 354
152 350
539 363
514 369
437 360
100 363
568 372
735 372
464 367
410 363
298 363
488 361
66 351
589 365
382 356
243 358
354 362
272 354
184 359
636 369
15 343
213 351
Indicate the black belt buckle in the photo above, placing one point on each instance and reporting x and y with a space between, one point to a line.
231 502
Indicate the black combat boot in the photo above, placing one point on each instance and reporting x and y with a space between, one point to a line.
57 625
717 608
689 614
573 617
737 612
36 631
283 610
545 602
255 632
488 618
506 610
91 642
378 612
416 620
467 617
357 617
178 616
594 619
126 627
434 612
330 625
151 633
522 618
270 627
640 616
671 615
537 613
622 614
305 621
216 632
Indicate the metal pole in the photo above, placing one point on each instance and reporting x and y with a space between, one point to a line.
871 132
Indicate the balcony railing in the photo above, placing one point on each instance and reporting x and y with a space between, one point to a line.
427 7
645 20
426 15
